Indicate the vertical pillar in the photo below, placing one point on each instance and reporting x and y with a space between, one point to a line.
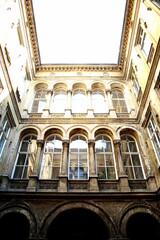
112 112
123 178
46 110
64 173
92 173
68 109
89 104
32 184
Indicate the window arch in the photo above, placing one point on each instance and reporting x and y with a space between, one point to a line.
79 101
51 160
105 162
98 101
118 100
131 157
26 157
39 100
59 101
78 158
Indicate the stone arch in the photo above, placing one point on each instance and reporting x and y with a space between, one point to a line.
40 85
24 213
56 129
95 210
98 85
108 130
80 130
79 85
60 85
135 209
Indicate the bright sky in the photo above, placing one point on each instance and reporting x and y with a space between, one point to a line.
79 31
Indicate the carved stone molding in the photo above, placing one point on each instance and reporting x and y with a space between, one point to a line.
79 67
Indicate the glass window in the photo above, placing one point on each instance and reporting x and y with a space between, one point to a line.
59 101
26 157
78 160
154 135
145 42
98 101
131 158
39 101
79 101
105 161
156 2
52 155
118 101
135 82
4 132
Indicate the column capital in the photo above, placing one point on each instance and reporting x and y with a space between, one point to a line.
65 142
40 142
91 142
117 142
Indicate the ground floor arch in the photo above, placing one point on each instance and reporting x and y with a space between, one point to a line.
78 223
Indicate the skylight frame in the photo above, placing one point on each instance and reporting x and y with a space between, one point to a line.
79 67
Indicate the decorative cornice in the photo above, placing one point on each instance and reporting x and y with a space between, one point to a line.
79 67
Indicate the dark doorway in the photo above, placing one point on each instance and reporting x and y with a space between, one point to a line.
77 224
14 226
143 226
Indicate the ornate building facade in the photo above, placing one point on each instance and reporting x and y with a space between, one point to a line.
80 144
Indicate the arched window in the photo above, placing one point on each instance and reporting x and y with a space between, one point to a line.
26 156
79 101
105 161
51 160
78 160
59 101
98 101
119 101
131 157
39 100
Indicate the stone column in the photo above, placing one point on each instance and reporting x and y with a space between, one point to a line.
92 173
89 102
111 109
64 173
123 178
68 109
46 110
32 184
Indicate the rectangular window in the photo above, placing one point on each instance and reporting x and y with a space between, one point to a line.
4 132
157 85
154 135
135 82
145 44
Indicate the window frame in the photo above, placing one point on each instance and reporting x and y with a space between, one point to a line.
118 107
3 134
36 100
104 174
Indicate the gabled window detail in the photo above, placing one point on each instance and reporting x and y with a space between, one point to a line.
118 100
154 135
59 101
26 157
131 157
98 101
78 158
105 162
51 160
79 101
39 100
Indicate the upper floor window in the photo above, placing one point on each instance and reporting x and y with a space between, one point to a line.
39 100
118 100
157 85
145 43
4 132
98 101
59 101
135 82
26 157
131 157
78 158
1 86
154 135
79 101
51 161
105 161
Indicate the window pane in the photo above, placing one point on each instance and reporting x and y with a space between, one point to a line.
101 171
18 172
138 172
111 173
